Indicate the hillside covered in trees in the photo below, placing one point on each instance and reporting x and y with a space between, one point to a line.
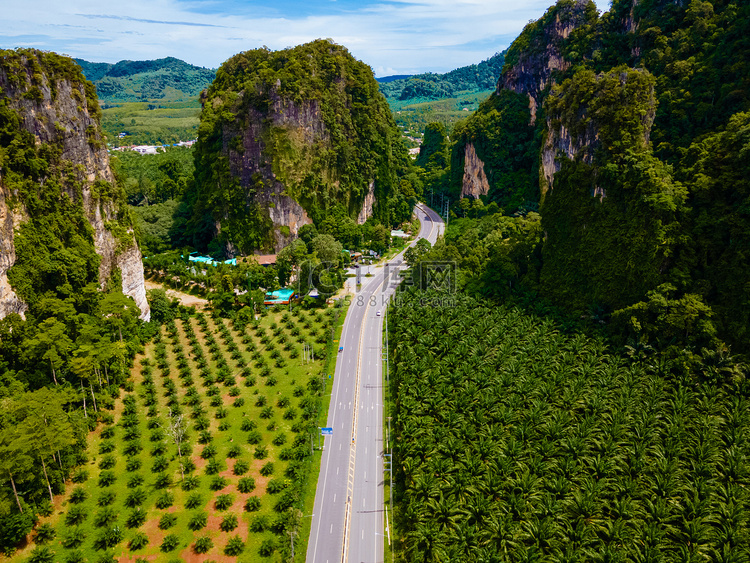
431 86
627 132
167 79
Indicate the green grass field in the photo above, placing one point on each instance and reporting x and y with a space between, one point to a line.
252 405
165 123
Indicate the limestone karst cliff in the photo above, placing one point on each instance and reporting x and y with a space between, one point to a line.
284 138
61 217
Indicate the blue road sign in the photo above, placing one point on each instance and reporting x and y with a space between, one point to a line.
326 431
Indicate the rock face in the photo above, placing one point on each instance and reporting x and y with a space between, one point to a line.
58 107
286 137
592 111
9 221
538 51
475 180
367 205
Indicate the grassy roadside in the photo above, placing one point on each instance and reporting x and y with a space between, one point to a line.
312 479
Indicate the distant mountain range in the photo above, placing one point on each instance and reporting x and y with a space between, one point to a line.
167 80
430 86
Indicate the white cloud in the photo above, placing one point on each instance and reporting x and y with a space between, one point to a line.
396 37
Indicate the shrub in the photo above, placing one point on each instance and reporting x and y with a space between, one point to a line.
138 541
106 478
162 481
44 533
136 518
167 521
160 464
75 515
108 538
73 538
223 502
132 448
248 425
194 500
133 464
267 469
252 504
240 467
190 482
228 523
213 467
164 500
106 498
217 483
135 481
198 521
75 556
135 498
261 452
170 543
274 486
105 517
259 524
267 548
106 446
203 544
78 495
160 448
42 555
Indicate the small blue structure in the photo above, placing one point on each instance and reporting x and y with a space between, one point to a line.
279 297
195 257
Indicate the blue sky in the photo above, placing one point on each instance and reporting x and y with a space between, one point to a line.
393 37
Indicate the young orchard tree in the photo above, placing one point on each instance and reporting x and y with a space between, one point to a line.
177 430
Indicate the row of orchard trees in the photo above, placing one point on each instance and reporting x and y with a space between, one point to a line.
60 369
516 442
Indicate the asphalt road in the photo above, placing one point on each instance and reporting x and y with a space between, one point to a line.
348 518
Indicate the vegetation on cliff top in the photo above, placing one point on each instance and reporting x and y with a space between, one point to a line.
316 129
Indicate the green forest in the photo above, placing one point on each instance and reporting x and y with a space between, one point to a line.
519 441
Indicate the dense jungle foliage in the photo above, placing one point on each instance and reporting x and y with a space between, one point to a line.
168 79
652 209
307 122
515 441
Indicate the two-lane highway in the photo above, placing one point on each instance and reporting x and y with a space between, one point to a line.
348 519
